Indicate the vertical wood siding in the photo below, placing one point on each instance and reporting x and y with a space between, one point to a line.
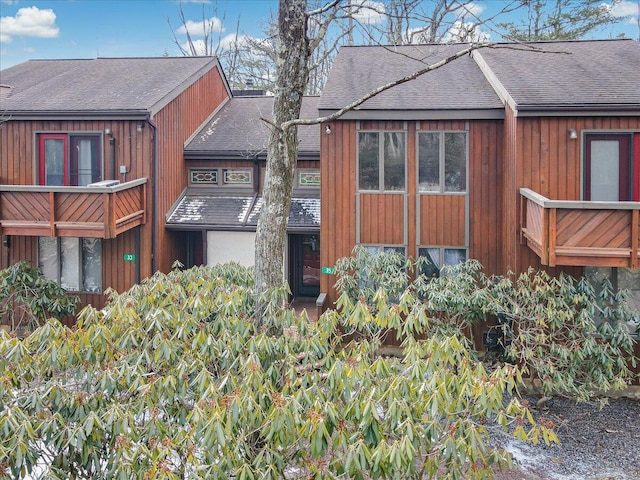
548 162
428 219
382 219
442 220
176 122
134 149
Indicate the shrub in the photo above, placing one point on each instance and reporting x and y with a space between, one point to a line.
28 298
173 380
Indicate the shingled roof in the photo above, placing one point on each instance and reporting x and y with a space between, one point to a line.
102 85
569 75
457 86
203 208
238 131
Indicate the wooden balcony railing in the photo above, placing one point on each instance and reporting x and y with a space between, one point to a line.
92 212
565 232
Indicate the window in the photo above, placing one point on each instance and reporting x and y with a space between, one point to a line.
373 249
442 162
203 177
438 257
381 161
308 178
74 263
69 159
237 176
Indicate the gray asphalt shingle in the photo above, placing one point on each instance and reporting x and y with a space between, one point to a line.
572 74
237 129
459 85
102 84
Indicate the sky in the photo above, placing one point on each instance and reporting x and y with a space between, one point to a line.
31 29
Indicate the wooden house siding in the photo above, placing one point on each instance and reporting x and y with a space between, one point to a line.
411 219
546 161
176 122
133 149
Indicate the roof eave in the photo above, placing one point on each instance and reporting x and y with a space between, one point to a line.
75 114
381 114
607 110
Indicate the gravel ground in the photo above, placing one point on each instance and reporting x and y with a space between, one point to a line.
594 443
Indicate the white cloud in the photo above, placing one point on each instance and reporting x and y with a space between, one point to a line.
368 11
465 32
199 47
199 29
623 8
471 8
29 22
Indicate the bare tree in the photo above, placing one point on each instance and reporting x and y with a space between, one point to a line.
559 20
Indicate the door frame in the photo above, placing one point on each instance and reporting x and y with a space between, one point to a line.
296 265
625 177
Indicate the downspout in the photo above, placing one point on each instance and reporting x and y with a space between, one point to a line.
154 197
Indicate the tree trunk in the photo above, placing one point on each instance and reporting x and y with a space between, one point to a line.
292 77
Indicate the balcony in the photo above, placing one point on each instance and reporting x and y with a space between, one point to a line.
565 232
91 212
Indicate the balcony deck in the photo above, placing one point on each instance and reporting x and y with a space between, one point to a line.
566 232
91 212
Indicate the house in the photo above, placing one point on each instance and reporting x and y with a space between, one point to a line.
219 209
515 155
91 160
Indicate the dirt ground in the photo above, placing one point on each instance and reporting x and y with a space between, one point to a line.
595 444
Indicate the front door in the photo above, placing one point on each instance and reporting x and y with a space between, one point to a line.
608 168
305 265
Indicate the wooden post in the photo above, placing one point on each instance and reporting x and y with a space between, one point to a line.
109 220
552 236
544 241
635 220
523 218
52 214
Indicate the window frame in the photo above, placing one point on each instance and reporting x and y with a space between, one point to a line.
441 254
80 275
442 163
67 137
381 161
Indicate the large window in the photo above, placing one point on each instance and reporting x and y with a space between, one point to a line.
69 159
442 162
440 256
74 263
381 161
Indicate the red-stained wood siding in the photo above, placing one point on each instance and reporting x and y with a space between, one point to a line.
543 158
179 119
176 122
427 219
442 220
382 219
133 149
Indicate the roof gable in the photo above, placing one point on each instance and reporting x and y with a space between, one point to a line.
100 85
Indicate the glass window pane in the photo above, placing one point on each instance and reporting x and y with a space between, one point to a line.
368 161
399 250
605 170
432 268
454 256
54 161
455 162
394 160
91 265
70 263
429 162
86 163
48 257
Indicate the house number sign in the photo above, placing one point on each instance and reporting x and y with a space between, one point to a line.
129 257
